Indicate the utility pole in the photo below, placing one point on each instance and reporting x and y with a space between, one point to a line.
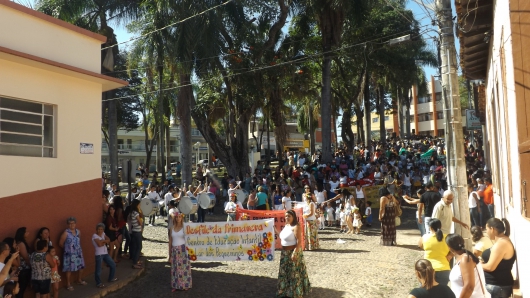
454 135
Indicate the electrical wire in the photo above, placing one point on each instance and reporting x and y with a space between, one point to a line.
302 59
390 4
229 54
167 26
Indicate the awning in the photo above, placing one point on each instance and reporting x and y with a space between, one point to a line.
475 28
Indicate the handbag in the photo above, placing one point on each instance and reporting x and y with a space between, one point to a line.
398 221
397 207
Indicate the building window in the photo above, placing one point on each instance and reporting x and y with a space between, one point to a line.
425 99
424 117
26 128
387 118
438 96
439 115
441 132
195 132
411 118
375 120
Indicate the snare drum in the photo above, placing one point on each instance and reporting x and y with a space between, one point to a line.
241 195
147 207
188 205
207 200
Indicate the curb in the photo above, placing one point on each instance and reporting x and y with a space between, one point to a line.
94 292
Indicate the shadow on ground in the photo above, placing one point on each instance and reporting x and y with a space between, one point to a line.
342 251
210 284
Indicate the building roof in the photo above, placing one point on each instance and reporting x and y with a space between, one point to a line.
475 23
108 83
50 19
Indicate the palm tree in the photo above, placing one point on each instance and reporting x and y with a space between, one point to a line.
330 17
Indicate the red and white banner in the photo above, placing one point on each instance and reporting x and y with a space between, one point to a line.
279 220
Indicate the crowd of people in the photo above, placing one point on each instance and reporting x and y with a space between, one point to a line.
332 195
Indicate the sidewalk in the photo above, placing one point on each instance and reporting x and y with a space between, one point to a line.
124 273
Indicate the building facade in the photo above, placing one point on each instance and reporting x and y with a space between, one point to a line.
497 52
375 119
50 125
426 112
131 146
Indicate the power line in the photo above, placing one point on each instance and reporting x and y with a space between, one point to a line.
170 25
299 60
397 10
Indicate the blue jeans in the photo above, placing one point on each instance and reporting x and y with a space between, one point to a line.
201 214
127 238
421 226
108 260
136 246
426 221
499 291
484 213
491 209
474 216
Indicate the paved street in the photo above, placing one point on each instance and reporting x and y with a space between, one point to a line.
358 268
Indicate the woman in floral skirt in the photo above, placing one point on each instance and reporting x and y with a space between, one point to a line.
292 277
180 264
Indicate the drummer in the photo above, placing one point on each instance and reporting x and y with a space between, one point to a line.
201 213
232 189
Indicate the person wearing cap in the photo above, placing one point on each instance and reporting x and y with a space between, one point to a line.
231 207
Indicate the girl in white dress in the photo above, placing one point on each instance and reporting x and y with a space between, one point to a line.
342 216
357 220
329 215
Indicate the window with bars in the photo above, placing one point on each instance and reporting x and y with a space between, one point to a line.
27 128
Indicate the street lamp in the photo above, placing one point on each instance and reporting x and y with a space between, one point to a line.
198 144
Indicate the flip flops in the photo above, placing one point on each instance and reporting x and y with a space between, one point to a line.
70 288
83 283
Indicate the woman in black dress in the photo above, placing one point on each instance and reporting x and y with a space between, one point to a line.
387 217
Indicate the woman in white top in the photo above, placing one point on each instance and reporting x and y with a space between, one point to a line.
311 225
180 264
286 200
480 242
100 241
333 184
320 194
467 277
292 277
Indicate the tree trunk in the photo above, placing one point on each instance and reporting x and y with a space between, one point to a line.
359 123
162 124
399 108
168 145
311 129
268 153
367 112
407 117
325 106
184 99
381 111
113 137
346 129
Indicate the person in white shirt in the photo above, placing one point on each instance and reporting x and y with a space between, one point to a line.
155 198
474 206
443 211
286 201
301 161
100 241
5 267
180 264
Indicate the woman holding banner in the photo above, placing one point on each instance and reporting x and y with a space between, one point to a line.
311 239
180 264
293 280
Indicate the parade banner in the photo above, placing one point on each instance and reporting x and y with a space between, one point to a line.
279 220
230 241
